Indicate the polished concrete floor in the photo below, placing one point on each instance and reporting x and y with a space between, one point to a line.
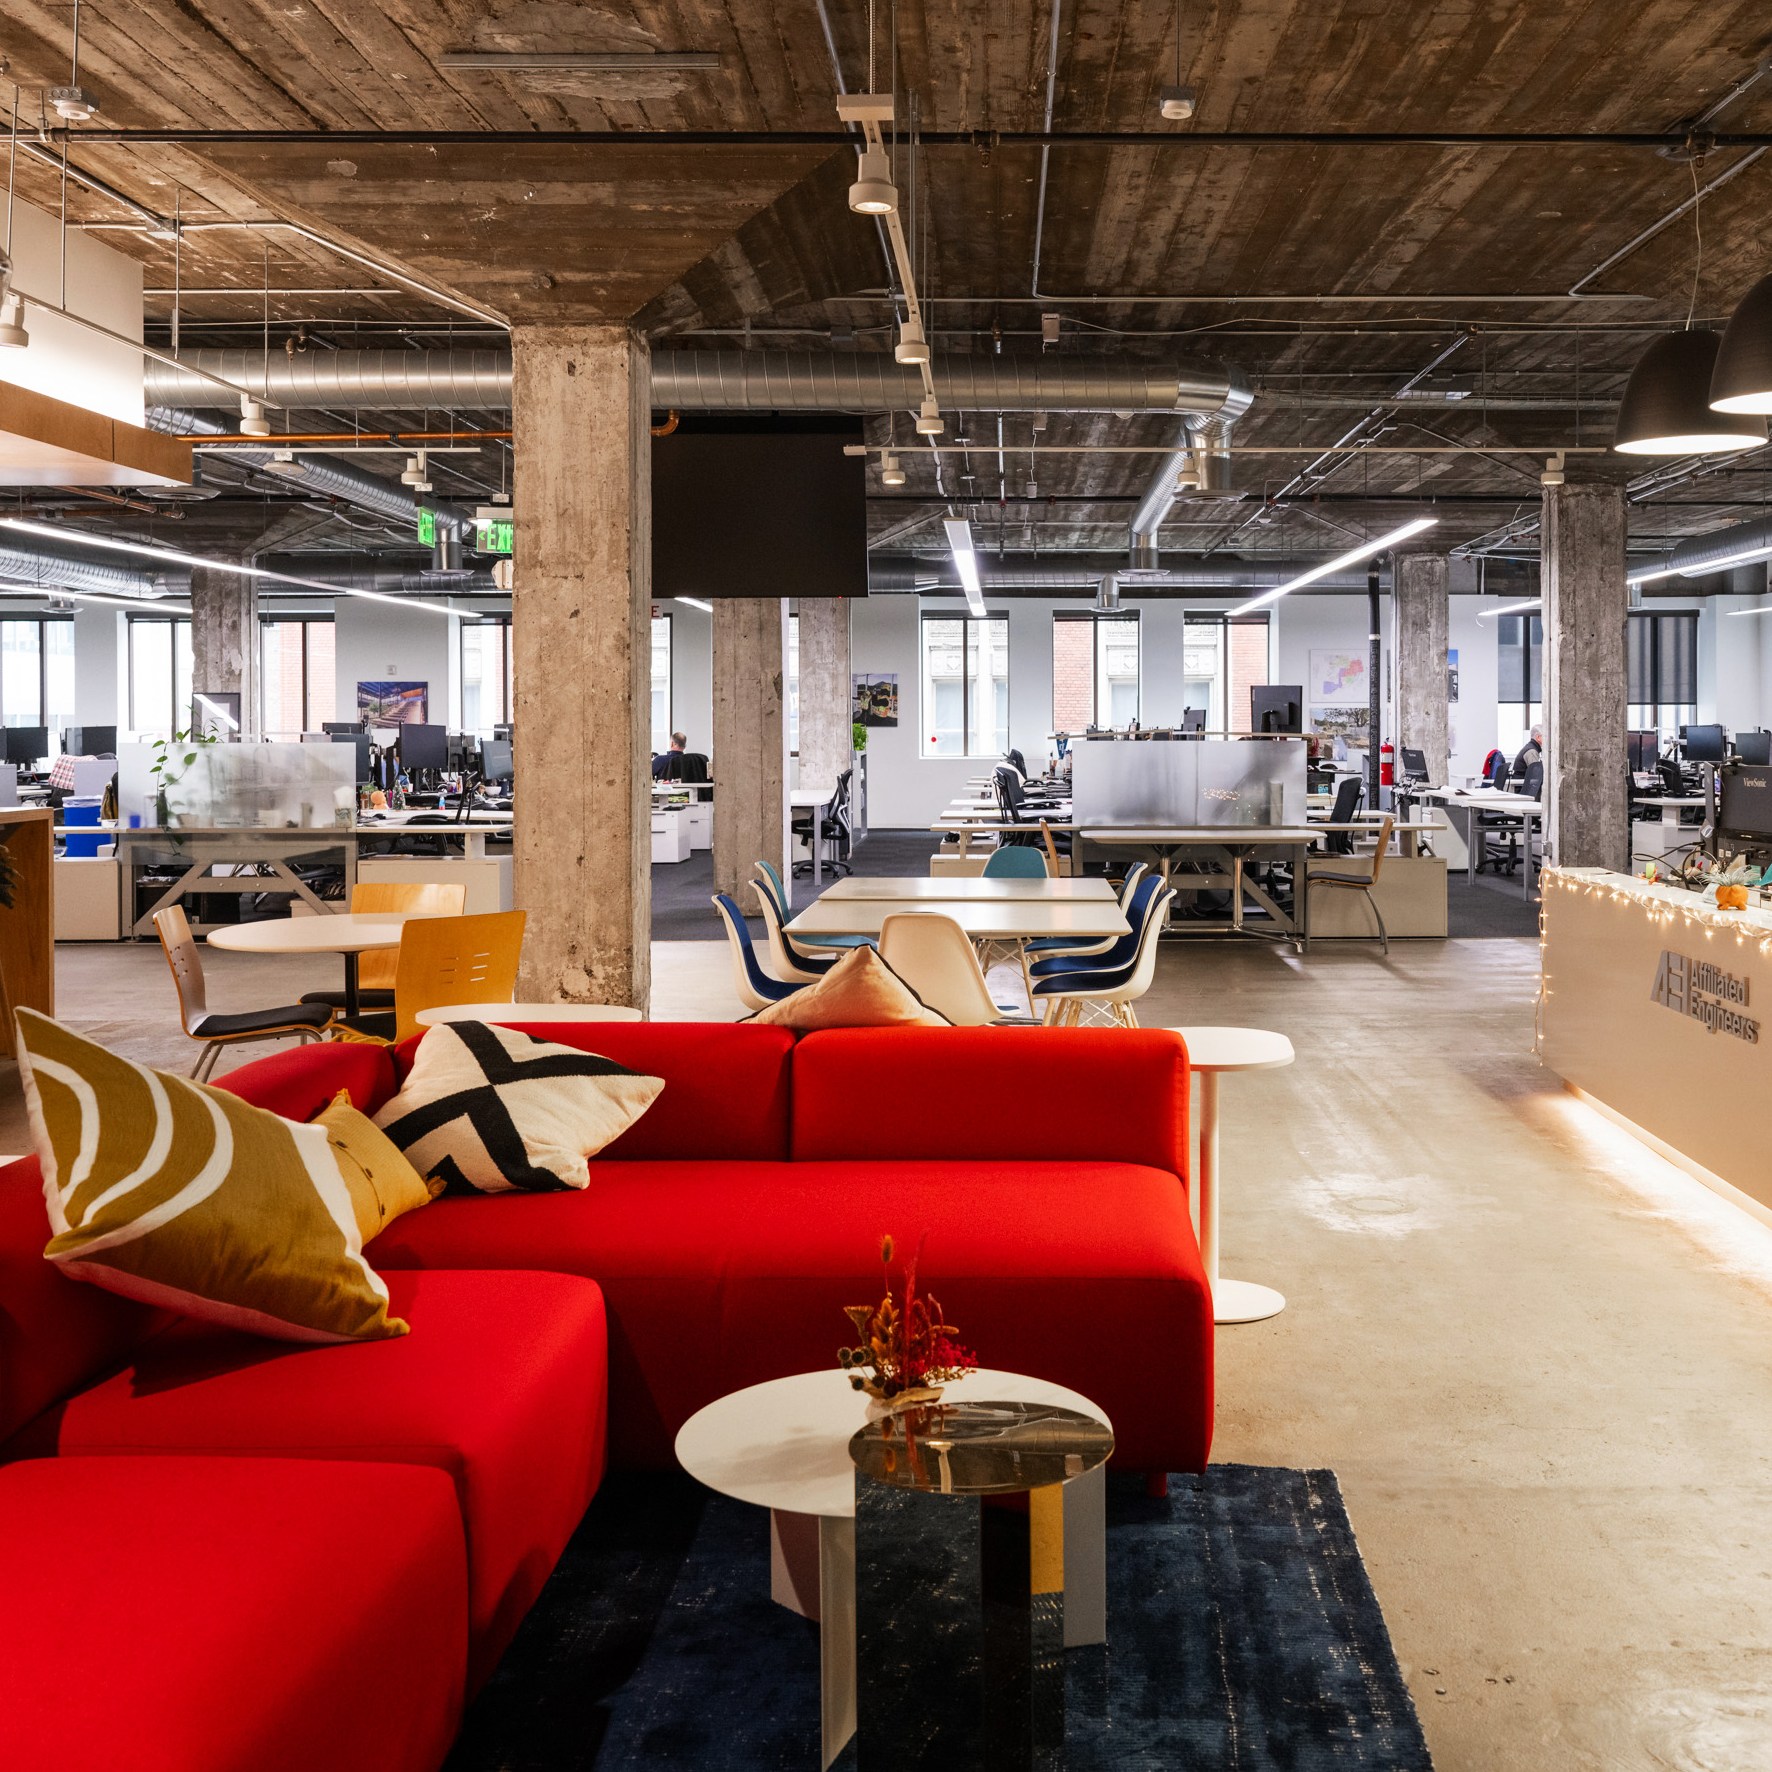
1538 1357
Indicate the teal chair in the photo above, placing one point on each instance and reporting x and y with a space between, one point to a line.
768 881
1016 864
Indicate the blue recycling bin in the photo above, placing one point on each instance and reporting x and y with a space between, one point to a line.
83 811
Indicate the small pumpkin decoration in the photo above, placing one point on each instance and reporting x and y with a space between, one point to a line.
1731 898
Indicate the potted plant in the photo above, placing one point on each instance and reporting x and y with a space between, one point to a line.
173 757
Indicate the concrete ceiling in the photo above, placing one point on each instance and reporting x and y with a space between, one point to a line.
1145 249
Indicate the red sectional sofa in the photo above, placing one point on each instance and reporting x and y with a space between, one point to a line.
716 1247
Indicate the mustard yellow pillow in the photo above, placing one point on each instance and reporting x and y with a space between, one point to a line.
860 991
187 1197
383 1184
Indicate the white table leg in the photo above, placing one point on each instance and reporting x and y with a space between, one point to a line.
812 1572
1233 1301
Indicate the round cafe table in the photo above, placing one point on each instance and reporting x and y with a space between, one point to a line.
1211 1052
349 934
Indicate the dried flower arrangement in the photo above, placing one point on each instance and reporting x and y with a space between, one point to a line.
905 1353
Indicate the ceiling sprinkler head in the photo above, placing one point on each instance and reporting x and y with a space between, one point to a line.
73 104
252 418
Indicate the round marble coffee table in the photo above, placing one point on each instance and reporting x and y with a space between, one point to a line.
1211 1052
784 1445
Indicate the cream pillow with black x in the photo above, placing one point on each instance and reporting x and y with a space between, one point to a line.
189 1198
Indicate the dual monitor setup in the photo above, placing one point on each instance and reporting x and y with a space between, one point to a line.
1710 744
425 752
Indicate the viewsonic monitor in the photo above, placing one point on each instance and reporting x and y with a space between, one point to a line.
1745 809
1276 707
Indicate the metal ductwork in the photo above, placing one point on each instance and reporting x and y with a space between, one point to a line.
323 476
1703 554
1203 459
935 575
53 572
330 570
712 381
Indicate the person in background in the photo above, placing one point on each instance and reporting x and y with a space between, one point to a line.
662 767
1532 751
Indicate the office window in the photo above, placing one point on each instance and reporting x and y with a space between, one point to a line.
37 671
1662 671
159 674
965 708
1222 659
1519 679
1094 670
299 687
485 673
661 683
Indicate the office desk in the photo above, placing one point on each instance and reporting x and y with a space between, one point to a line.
983 919
812 799
254 860
913 891
1462 807
471 833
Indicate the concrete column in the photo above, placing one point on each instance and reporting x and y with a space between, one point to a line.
750 740
581 649
1424 710
224 643
1585 609
826 704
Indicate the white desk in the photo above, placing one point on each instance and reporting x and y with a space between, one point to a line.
1211 1052
812 798
995 919
341 932
784 1445
1463 805
918 890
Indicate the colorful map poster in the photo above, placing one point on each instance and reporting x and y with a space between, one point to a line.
1337 677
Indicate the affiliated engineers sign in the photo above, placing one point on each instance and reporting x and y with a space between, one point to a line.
1706 993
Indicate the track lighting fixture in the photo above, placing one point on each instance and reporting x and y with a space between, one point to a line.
416 473
929 421
891 473
913 347
71 103
12 309
873 192
1666 406
252 418
1178 103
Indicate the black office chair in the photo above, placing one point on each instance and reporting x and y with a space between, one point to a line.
1501 845
1020 762
1347 803
1016 808
829 824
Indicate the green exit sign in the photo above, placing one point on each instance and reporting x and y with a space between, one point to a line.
427 526
493 537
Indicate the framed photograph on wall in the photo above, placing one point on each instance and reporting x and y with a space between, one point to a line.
1337 676
387 703
875 699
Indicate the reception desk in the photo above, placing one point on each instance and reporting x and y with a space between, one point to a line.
1658 1007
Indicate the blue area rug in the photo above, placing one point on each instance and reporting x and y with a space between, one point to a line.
1243 1635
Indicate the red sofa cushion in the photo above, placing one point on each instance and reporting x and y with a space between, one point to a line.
719 1275
300 1080
229 1615
501 1383
1083 1094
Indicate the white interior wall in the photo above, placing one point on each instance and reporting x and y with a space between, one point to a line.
692 674
376 641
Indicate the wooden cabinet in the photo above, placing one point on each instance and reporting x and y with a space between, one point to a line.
27 926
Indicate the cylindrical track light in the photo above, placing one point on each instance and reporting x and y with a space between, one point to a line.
873 192
929 423
912 347
891 473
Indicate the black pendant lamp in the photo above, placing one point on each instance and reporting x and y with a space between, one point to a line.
1742 379
1666 406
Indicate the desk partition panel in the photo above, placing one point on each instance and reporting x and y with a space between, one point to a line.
1209 782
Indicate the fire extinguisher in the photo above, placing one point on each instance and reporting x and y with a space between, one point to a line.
1387 765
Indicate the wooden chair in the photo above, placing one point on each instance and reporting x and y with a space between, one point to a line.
445 960
375 969
1349 876
299 1021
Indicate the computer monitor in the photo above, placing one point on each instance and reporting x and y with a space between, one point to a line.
365 751
504 731
27 746
1644 747
1414 764
90 741
1193 719
1276 707
1754 748
338 728
424 747
316 738
495 759
1745 808
1703 744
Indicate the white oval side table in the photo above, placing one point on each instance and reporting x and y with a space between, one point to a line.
1211 1052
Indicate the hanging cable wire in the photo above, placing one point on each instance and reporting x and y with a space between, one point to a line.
1697 239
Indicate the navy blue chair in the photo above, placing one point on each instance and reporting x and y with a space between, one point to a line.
1124 951
756 989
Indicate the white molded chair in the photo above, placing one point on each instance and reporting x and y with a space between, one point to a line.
935 957
1112 993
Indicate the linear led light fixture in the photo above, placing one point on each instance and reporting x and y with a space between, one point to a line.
965 561
1745 558
1352 557
1511 608
696 603
642 61
157 553
1764 609
51 591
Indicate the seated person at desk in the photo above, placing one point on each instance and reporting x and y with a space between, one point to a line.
1532 751
665 766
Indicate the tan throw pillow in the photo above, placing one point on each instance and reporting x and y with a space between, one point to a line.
860 991
189 1198
384 1186
488 1110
